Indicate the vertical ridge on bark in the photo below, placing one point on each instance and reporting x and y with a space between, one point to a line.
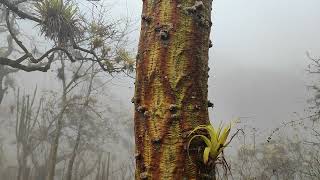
171 86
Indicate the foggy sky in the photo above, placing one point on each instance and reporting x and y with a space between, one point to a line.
259 58
257 61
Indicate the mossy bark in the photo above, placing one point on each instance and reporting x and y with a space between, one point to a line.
171 86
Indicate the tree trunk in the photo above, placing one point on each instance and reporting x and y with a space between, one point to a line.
3 73
54 150
171 86
73 155
84 116
54 146
2 90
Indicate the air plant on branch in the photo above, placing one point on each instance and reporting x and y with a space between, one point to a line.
125 57
59 20
122 62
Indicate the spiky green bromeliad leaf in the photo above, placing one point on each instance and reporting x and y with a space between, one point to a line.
215 143
60 22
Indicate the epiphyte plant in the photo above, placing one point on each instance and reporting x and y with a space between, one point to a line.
216 141
60 22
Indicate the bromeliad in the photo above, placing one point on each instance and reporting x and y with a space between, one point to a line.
215 144
60 20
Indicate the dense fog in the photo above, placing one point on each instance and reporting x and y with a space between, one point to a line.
264 72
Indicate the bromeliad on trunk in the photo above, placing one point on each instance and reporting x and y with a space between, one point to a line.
215 143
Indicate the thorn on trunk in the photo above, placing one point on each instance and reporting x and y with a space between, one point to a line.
175 116
173 107
137 156
146 114
144 175
163 31
210 104
156 141
210 44
198 5
138 56
146 18
164 35
141 109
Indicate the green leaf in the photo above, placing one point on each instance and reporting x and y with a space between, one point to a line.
225 134
204 138
206 155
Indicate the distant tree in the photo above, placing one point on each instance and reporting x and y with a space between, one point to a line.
293 158
2 155
77 117
6 81
275 159
67 126
313 113
26 119
71 35
76 42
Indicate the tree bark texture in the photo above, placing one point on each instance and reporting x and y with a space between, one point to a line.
171 86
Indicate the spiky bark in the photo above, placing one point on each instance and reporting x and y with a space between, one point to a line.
171 86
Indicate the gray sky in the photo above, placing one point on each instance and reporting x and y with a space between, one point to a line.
257 61
259 58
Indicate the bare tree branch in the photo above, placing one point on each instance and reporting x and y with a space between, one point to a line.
15 64
20 13
91 53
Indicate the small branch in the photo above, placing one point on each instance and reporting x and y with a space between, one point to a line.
15 64
33 60
75 46
13 34
10 46
20 13
28 55
238 130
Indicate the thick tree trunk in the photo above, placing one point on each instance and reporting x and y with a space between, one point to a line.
171 86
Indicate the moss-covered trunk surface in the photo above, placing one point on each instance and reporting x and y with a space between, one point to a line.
171 86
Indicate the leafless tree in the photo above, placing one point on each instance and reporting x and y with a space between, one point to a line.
26 119
71 35
5 80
